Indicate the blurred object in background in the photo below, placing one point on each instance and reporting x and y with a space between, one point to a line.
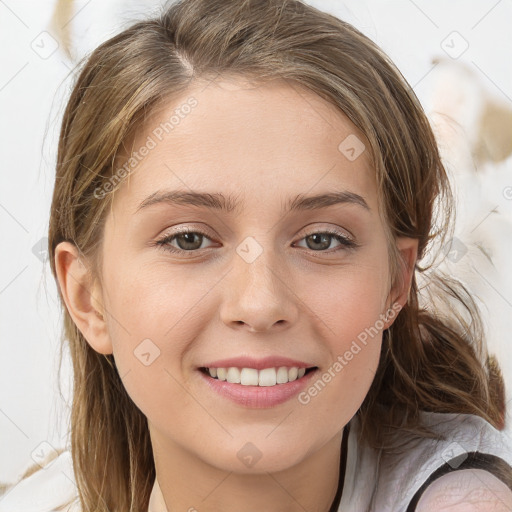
472 119
79 35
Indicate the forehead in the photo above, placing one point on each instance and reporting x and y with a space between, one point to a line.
254 141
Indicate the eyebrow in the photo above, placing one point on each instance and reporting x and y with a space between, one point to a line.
229 204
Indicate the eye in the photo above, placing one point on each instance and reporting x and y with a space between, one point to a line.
186 239
321 240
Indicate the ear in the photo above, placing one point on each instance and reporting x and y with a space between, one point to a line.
399 293
83 298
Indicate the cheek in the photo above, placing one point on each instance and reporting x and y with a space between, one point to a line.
155 303
351 309
351 326
347 301
154 316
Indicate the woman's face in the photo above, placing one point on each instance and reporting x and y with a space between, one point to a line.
260 282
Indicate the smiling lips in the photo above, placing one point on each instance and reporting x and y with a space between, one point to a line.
265 372
257 384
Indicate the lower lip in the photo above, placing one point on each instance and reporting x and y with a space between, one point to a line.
258 397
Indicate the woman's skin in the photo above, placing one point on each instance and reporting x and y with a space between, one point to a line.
303 298
466 490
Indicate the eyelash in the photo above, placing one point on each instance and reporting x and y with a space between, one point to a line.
346 243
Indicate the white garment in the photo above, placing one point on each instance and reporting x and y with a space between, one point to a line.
374 481
379 482
46 490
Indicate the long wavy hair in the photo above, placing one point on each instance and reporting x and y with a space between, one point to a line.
432 358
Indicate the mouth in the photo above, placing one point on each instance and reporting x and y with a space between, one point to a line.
266 377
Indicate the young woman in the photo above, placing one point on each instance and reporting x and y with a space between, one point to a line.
245 194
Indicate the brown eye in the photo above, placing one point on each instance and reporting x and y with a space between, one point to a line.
185 241
189 241
320 241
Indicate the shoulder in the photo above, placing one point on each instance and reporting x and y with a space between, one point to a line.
475 482
465 449
468 490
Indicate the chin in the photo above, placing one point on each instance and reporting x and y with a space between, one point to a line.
258 457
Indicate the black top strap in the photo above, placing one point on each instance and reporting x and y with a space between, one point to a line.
471 460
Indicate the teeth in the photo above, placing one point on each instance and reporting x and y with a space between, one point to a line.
268 377
282 375
253 377
233 375
249 377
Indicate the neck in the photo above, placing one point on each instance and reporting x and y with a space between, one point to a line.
188 483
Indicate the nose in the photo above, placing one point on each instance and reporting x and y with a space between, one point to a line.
258 296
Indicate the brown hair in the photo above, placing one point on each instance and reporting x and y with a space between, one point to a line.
429 361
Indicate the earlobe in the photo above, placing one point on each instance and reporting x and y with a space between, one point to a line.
82 298
399 294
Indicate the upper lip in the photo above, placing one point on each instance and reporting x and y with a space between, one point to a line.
257 364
